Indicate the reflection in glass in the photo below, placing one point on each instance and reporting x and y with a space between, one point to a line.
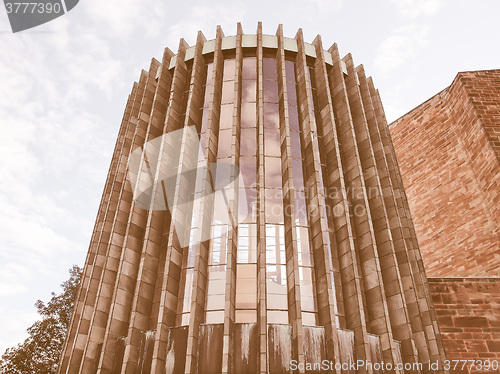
249 68
224 148
269 68
208 93
275 246
276 282
274 206
295 145
293 117
210 70
227 92
247 243
300 208
188 260
249 91
248 142
292 94
221 212
187 290
226 116
271 115
219 245
204 119
246 270
248 115
229 66
290 71
248 169
247 211
272 146
272 167
303 246
270 91
305 255
246 285
306 279
298 178
276 292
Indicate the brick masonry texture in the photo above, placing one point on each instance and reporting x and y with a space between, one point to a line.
468 311
448 150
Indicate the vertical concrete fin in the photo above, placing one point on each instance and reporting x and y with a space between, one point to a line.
330 300
261 219
396 271
289 190
354 298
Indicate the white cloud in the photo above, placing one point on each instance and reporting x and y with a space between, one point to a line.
328 4
14 325
400 47
414 8
9 289
121 16
206 18
13 270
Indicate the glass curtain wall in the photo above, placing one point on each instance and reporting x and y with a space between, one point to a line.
221 221
317 137
305 257
246 268
189 256
276 288
246 271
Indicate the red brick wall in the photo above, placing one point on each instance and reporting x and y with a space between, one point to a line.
468 311
448 150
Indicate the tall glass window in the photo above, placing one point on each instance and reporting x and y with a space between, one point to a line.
306 270
317 139
221 225
246 268
277 303
188 261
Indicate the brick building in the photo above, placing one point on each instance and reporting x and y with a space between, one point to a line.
253 214
448 150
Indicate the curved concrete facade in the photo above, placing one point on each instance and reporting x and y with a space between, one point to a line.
253 217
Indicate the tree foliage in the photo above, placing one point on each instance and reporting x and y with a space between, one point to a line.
40 352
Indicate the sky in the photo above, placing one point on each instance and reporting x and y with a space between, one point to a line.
65 85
